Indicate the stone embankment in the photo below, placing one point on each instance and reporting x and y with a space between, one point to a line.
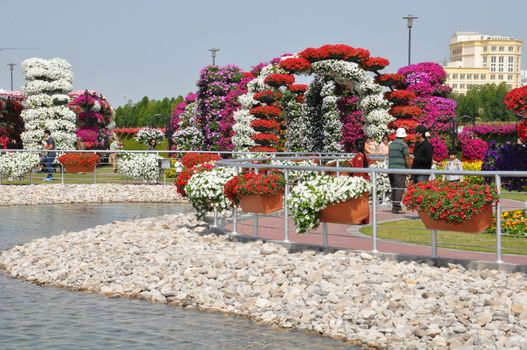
347 295
95 193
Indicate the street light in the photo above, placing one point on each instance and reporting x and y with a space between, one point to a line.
455 123
409 22
11 67
213 52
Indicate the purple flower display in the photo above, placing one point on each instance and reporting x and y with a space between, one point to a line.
500 133
440 149
426 80
352 122
507 157
438 112
473 148
94 115
218 91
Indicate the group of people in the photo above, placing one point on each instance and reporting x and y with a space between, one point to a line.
399 157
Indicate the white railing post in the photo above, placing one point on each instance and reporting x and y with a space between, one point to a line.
325 234
434 243
286 209
499 258
374 211
95 171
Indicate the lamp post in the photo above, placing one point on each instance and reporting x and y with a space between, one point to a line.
409 22
213 52
11 68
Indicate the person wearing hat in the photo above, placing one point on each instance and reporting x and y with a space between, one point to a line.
423 153
398 158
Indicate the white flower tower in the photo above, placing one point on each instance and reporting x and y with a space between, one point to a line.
47 85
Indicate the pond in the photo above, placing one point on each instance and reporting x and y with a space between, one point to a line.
34 317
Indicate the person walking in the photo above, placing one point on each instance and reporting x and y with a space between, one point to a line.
423 153
47 160
398 158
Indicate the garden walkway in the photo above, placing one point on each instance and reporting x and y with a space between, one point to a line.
349 237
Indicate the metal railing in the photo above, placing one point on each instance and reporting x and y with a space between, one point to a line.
97 178
495 176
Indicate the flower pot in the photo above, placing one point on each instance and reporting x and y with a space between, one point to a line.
78 168
352 212
476 224
261 203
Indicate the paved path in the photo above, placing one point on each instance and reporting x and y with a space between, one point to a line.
349 237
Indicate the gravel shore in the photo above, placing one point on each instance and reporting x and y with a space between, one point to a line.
94 193
347 295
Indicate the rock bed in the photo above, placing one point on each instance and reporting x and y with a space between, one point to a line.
95 193
346 295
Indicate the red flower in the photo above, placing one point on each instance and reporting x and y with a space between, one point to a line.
405 111
190 160
400 96
516 100
447 201
298 88
522 130
267 96
263 149
251 183
339 51
184 176
264 125
85 159
300 99
374 63
277 80
389 79
268 138
407 124
295 65
266 112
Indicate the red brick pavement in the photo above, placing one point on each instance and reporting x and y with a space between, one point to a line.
347 237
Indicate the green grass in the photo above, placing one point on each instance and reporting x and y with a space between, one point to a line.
414 232
129 143
104 174
517 196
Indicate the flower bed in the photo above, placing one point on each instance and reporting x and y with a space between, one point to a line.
140 166
79 162
16 165
513 223
147 135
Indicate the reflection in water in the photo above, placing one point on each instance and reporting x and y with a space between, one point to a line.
34 317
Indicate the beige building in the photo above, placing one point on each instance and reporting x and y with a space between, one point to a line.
477 59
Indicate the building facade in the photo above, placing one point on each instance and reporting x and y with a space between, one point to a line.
477 59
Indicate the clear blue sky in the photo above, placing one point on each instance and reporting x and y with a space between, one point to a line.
156 48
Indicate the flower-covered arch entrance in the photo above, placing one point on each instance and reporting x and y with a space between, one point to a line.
342 104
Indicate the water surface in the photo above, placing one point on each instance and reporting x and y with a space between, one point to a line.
34 317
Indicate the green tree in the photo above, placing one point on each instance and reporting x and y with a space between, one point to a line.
146 112
485 102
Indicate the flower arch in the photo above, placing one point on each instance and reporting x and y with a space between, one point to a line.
342 103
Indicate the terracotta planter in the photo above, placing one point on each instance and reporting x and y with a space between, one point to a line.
78 168
261 203
352 212
476 224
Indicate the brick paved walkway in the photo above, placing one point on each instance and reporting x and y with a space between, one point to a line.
348 237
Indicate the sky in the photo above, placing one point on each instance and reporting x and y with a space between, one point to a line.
127 49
